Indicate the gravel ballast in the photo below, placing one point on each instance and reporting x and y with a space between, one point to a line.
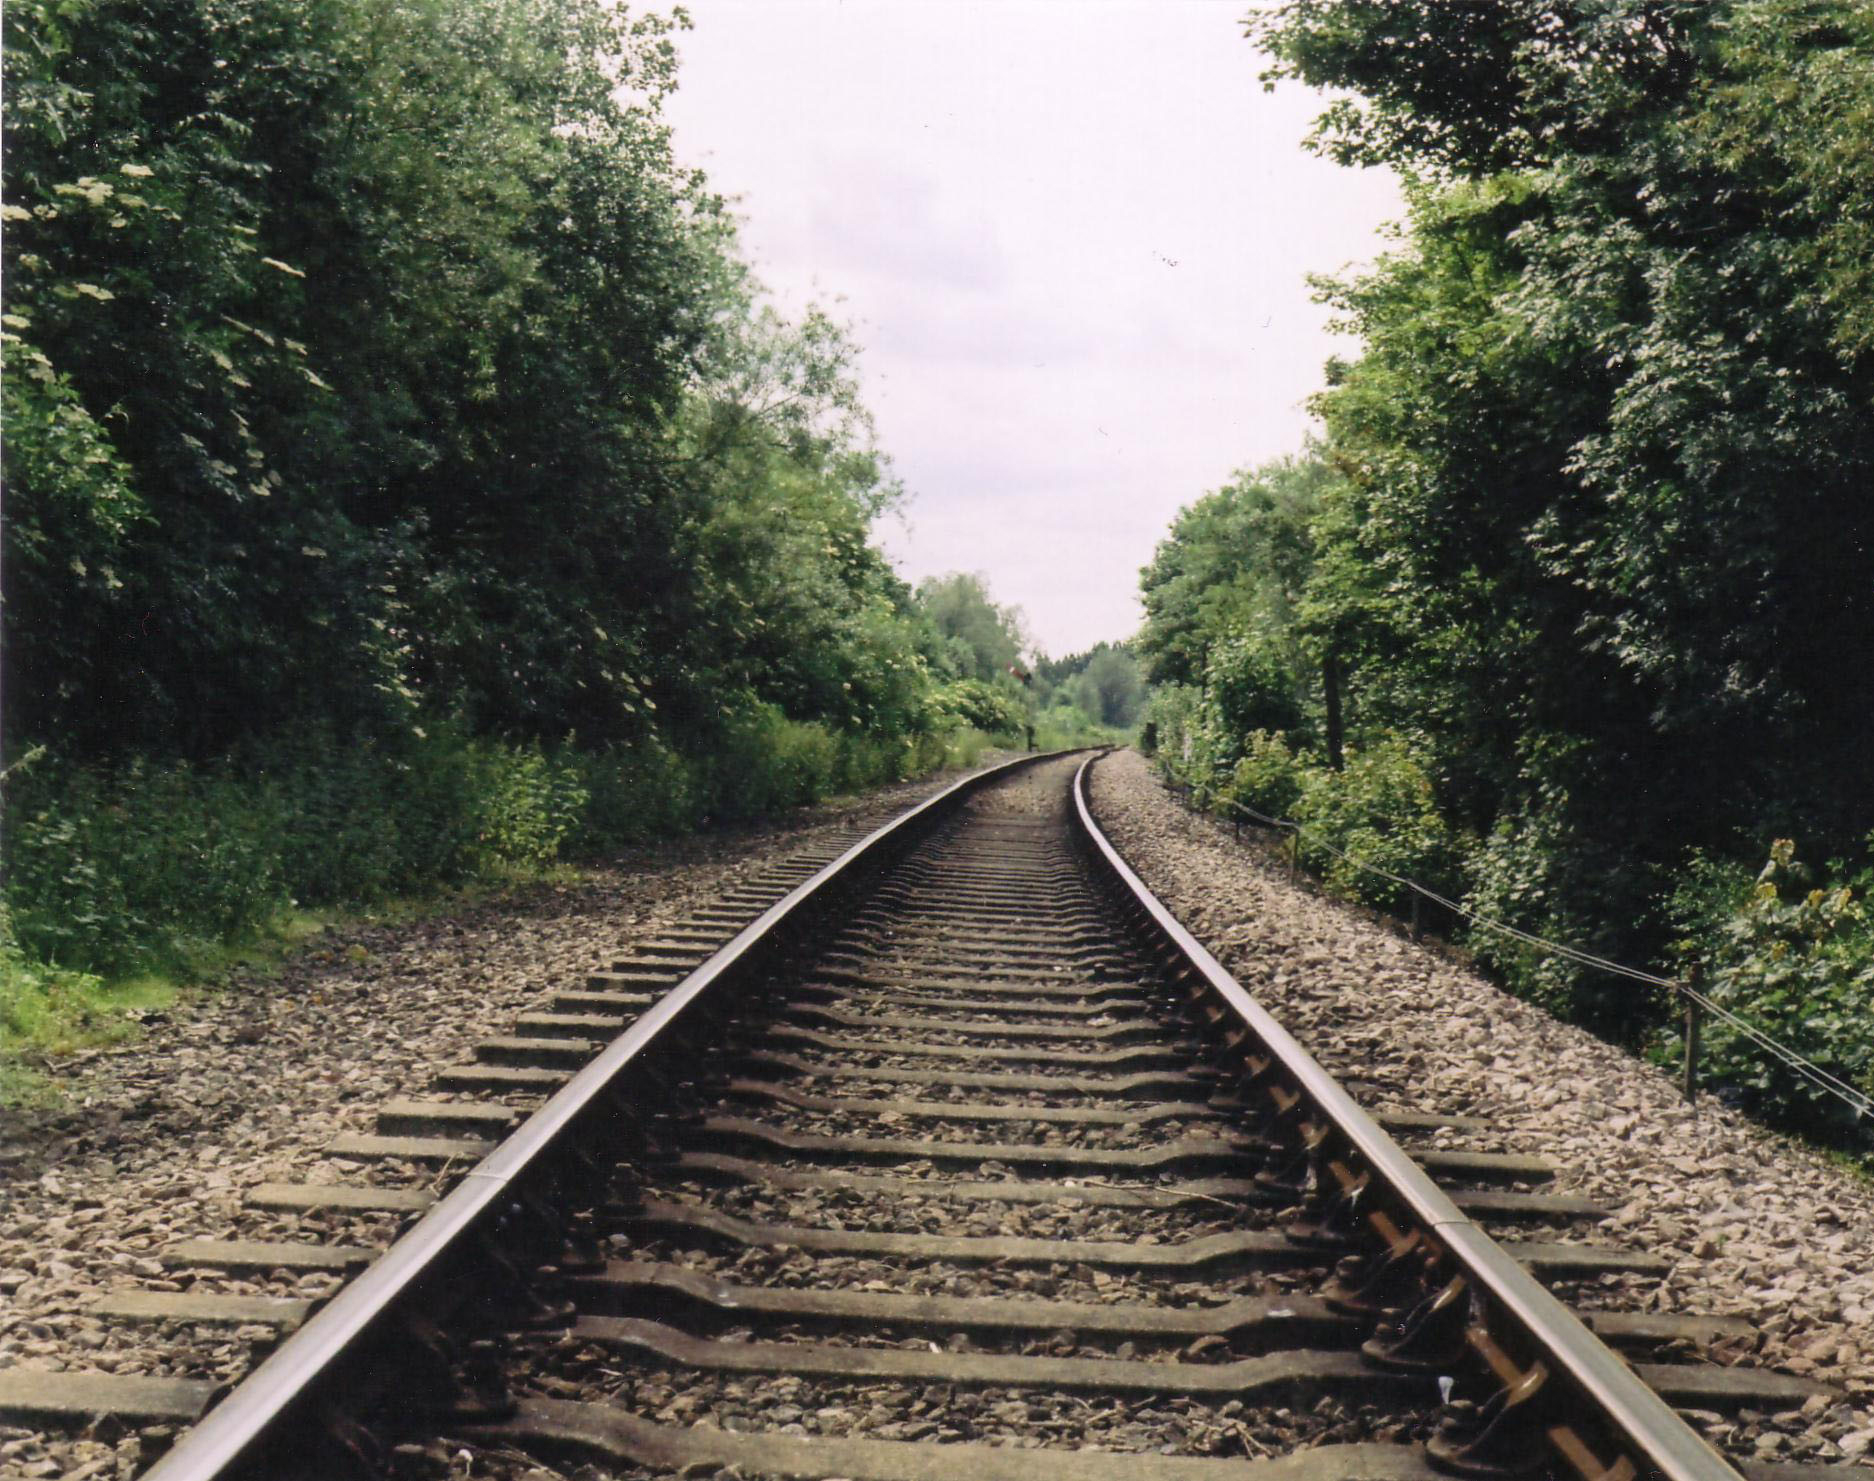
1760 1226
248 1085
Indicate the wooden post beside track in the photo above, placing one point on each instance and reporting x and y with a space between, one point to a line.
1689 1081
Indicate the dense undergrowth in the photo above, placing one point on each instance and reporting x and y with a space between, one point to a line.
124 883
1787 949
120 881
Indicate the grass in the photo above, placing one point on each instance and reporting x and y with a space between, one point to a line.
50 1013
47 1013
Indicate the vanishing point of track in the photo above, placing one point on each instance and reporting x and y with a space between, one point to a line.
965 1132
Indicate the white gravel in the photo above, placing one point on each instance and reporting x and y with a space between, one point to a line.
1761 1226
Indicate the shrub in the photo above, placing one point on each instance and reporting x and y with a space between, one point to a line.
1269 777
867 761
1796 961
116 871
634 793
35 998
1379 810
762 762
963 747
1188 738
1539 873
981 706
1251 685
362 820
106 872
525 805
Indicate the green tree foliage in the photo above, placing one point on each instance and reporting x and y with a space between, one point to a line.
1235 562
405 475
377 362
1795 958
382 308
980 639
1110 689
1596 552
1105 686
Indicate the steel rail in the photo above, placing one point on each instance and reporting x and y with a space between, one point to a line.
231 1432
1639 1419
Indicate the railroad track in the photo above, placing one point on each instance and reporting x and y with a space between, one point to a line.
962 1160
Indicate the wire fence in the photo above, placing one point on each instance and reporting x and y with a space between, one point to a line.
1687 993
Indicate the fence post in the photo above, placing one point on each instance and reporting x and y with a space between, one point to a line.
1688 1084
1415 914
1294 849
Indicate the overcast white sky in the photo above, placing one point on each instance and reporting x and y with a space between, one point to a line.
1072 239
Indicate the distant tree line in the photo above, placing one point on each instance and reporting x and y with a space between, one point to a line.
1068 699
1104 684
1571 611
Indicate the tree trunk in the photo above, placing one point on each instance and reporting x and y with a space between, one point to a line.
1330 688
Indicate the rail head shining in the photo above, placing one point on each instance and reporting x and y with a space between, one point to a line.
235 1429
1642 1421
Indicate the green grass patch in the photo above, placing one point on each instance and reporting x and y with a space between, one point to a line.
48 1012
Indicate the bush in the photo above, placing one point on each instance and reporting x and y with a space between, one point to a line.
961 748
1540 873
1796 961
1380 810
980 705
762 762
35 997
358 822
1269 778
525 805
634 793
106 872
109 872
1064 727
868 761
1251 685
1188 739
115 871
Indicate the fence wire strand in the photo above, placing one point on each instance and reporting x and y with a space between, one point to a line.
1814 1074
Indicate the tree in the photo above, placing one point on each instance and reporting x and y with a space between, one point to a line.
1111 690
1602 540
1236 558
981 640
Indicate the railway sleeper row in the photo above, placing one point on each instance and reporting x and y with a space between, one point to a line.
985 967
